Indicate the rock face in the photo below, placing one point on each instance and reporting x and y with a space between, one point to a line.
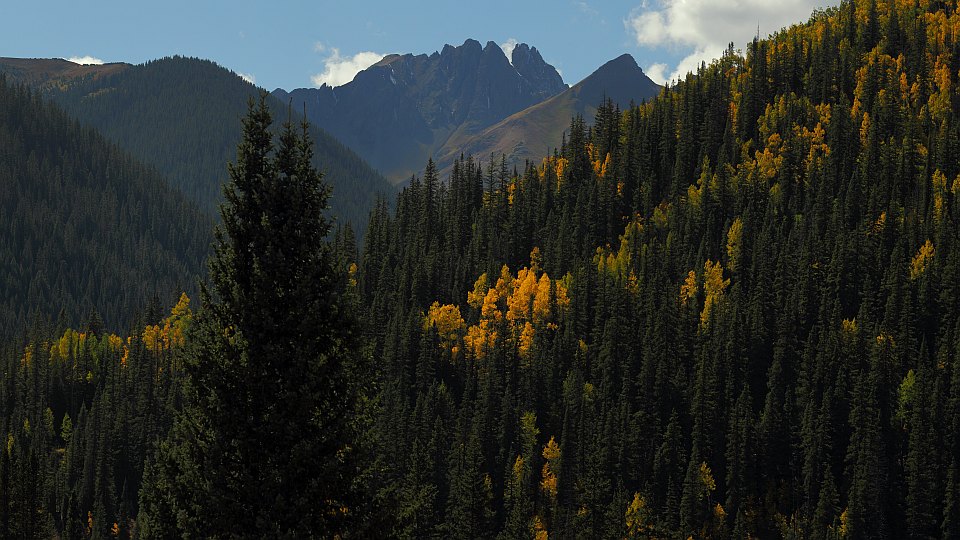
530 65
405 108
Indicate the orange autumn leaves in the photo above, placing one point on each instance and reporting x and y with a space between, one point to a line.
79 347
171 334
515 308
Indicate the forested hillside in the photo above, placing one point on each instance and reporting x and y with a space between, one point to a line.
182 115
731 312
87 230
83 408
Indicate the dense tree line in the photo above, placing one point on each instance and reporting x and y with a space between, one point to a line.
82 411
729 312
86 229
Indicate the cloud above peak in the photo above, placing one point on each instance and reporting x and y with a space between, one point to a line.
508 46
338 69
703 28
85 60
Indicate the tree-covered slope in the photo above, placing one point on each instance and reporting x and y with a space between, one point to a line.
182 115
86 228
731 312
84 409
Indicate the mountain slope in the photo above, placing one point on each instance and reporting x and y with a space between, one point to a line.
182 115
406 108
537 130
85 226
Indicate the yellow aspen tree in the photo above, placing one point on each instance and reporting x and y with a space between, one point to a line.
637 518
474 341
64 344
734 244
561 167
713 287
921 260
706 478
446 319
541 303
539 529
490 310
151 338
521 301
689 288
448 322
479 292
525 343
115 342
536 260
505 282
548 483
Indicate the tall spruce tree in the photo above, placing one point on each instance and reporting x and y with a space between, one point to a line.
266 443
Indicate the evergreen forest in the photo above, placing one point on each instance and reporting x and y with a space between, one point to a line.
732 311
88 232
182 116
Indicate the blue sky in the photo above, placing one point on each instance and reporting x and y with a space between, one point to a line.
298 44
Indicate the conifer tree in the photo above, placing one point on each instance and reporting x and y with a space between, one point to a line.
266 443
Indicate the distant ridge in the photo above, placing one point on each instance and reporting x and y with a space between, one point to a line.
182 115
46 73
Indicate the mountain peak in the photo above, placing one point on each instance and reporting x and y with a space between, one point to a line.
624 61
530 65
408 107
524 134
470 43
620 80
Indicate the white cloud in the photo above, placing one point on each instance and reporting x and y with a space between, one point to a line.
85 60
703 28
649 28
249 77
339 70
587 9
508 47
657 72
